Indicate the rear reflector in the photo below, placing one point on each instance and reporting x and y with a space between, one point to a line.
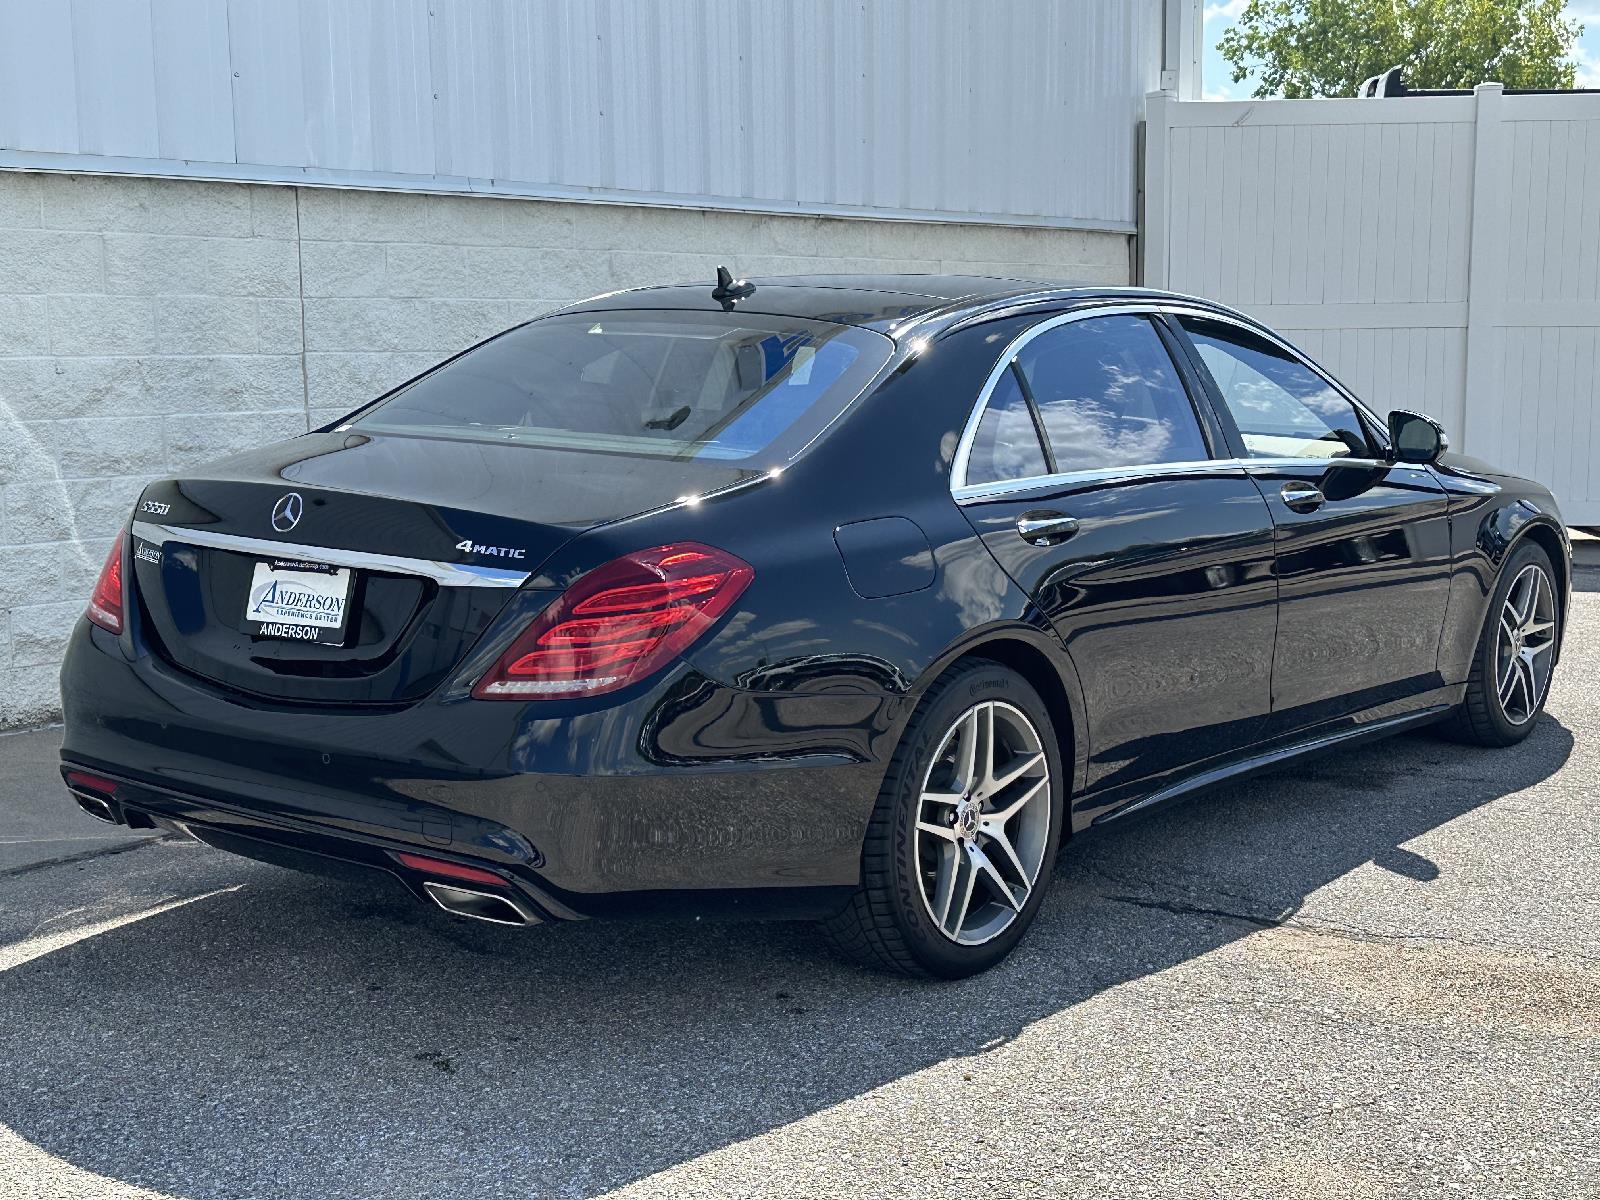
105 603
619 623
448 870
91 783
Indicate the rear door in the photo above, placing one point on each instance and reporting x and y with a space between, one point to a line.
1096 483
1363 546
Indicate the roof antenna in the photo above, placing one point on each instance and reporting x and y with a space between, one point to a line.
730 290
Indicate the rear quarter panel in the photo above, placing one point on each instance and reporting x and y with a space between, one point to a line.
816 653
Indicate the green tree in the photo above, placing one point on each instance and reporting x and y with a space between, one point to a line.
1303 48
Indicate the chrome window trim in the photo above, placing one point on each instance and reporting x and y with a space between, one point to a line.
963 491
978 492
1066 479
969 433
1288 463
444 573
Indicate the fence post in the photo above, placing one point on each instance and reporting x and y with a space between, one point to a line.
1154 212
1183 35
1486 271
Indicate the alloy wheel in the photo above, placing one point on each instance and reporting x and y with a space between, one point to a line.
983 821
1527 636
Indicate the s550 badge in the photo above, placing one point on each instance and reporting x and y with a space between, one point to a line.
472 547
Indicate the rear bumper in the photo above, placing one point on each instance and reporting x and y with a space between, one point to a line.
299 844
692 798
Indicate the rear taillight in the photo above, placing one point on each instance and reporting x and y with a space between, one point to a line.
106 604
83 781
618 624
446 869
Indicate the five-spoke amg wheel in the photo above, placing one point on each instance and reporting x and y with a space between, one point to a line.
964 832
984 822
1526 636
1516 654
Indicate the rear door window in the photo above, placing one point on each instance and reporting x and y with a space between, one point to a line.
1109 395
1006 444
656 383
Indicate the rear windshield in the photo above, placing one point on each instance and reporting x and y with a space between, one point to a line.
678 385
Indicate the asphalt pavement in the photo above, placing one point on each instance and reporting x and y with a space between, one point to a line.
39 823
1375 975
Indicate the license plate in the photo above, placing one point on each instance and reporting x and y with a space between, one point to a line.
304 602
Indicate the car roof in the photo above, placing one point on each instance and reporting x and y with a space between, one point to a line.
886 302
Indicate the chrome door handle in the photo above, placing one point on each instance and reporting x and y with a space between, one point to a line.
1302 497
1045 527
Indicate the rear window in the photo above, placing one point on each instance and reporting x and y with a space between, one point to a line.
677 385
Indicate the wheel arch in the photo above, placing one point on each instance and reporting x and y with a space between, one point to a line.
1048 671
1552 541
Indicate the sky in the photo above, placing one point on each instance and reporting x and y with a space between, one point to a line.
1219 14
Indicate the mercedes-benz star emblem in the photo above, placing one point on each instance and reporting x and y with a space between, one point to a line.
286 512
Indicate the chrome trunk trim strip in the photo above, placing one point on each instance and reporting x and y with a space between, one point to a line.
444 573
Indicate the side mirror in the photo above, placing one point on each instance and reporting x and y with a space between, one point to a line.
1415 438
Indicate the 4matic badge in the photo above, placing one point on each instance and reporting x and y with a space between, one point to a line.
471 547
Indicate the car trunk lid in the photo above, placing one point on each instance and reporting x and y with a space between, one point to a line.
421 541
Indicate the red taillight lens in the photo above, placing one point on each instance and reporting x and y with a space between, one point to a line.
91 783
446 869
105 605
618 624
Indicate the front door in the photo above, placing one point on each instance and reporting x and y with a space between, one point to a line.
1363 545
1092 479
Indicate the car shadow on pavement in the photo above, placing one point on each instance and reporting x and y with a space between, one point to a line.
286 1036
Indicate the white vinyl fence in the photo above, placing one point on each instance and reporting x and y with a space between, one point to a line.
1439 253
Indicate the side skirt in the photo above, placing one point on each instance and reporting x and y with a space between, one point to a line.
1269 759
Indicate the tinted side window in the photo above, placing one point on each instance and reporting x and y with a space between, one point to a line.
1283 408
1109 396
1006 445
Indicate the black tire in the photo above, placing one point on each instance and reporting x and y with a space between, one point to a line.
887 923
1481 719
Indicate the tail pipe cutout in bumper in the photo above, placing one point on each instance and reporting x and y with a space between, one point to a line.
458 888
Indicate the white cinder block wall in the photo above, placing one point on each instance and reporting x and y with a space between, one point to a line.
151 325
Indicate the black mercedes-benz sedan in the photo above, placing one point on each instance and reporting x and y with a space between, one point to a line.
847 598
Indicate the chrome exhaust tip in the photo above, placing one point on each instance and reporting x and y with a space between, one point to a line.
480 906
96 808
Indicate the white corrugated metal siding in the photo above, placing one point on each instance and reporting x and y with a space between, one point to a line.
1025 110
